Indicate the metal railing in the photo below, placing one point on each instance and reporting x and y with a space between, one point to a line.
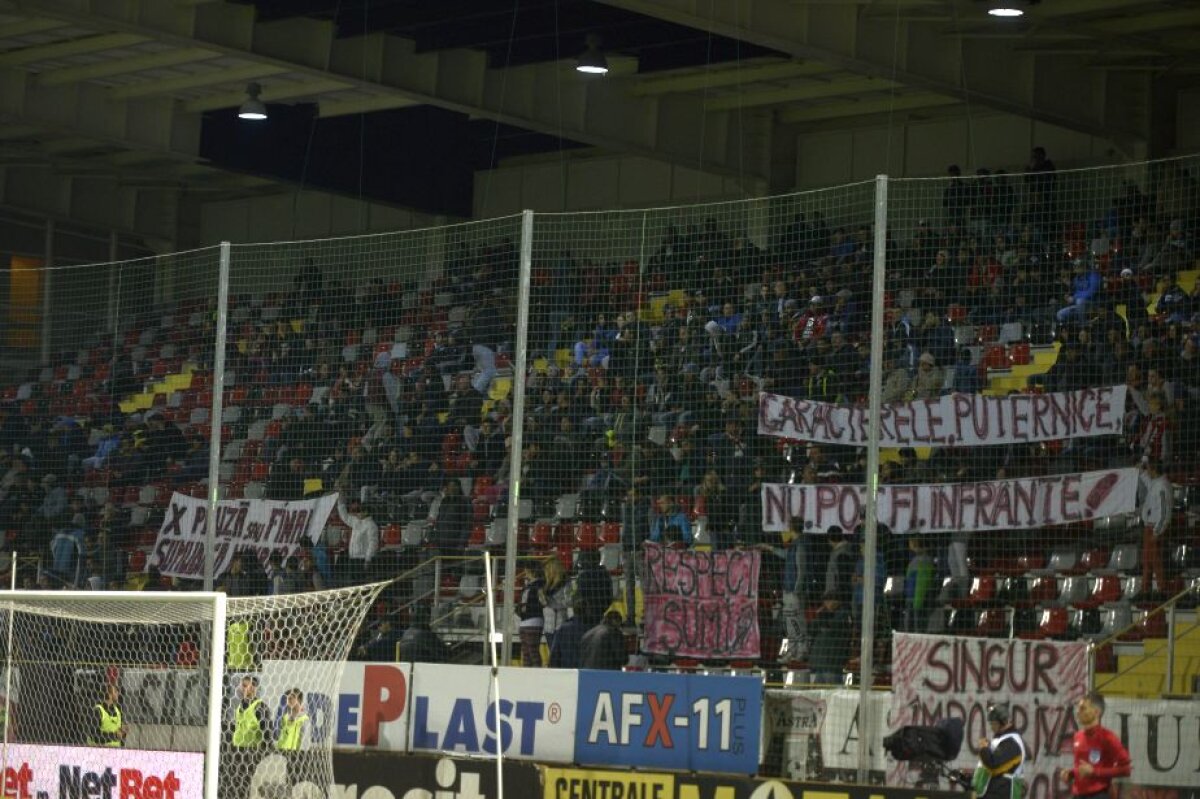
1169 608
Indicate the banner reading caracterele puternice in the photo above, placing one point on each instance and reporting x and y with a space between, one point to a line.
954 420
262 525
950 507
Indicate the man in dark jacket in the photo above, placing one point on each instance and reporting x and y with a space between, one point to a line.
1001 759
593 589
603 646
452 529
420 644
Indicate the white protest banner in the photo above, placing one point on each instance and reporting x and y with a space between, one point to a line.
262 525
936 677
949 507
1163 738
953 420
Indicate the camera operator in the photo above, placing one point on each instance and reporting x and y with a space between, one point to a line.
1001 760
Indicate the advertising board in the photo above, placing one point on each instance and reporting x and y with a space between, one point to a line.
571 783
669 721
391 775
33 771
453 712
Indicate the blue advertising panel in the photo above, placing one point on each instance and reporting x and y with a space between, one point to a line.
668 721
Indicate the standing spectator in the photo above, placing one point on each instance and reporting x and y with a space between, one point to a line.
556 591
603 646
1154 435
832 631
918 580
593 589
533 619
452 529
1040 180
795 578
363 544
1156 509
568 642
1099 755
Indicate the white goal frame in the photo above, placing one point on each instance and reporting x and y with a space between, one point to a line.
12 600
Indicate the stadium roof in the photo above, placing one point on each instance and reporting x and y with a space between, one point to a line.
401 101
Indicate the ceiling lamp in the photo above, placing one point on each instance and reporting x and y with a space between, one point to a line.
253 108
1009 8
592 61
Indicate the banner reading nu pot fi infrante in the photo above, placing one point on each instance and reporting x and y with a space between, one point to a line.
949 507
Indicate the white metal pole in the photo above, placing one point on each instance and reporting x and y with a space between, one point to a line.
47 292
491 608
8 670
866 650
216 698
218 404
518 429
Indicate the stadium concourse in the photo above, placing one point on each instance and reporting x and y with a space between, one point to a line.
642 410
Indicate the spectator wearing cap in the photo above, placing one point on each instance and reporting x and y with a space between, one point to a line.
812 323
1128 292
1085 289
929 378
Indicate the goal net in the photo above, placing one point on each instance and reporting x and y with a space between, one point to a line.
170 695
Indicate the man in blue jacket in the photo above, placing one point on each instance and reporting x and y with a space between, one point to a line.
1085 289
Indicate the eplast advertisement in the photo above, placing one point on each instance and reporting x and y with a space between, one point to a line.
51 772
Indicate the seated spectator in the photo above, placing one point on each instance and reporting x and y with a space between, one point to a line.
603 646
1084 290
669 516
1174 303
420 644
929 380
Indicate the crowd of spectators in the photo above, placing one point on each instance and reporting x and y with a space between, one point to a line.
650 418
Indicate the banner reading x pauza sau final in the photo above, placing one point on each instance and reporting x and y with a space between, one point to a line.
262 525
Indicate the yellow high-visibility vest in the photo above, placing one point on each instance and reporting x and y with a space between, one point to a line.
110 725
291 733
247 731
239 655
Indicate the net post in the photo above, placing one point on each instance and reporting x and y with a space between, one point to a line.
870 526
218 402
216 698
520 360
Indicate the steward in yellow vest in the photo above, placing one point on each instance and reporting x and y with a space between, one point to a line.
110 727
291 726
251 721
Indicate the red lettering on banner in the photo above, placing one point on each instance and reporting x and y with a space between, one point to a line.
827 499
887 431
1104 408
384 697
903 418
1069 498
135 785
16 781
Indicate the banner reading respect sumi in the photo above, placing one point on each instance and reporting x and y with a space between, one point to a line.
954 420
950 507
702 604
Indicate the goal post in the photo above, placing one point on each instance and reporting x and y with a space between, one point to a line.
156 695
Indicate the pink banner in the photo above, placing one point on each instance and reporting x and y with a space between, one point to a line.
950 507
701 604
938 676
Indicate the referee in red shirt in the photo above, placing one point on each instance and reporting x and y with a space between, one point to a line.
1099 755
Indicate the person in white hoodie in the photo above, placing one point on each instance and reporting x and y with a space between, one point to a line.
1156 508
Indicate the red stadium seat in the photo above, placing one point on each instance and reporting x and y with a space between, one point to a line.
586 536
1020 354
